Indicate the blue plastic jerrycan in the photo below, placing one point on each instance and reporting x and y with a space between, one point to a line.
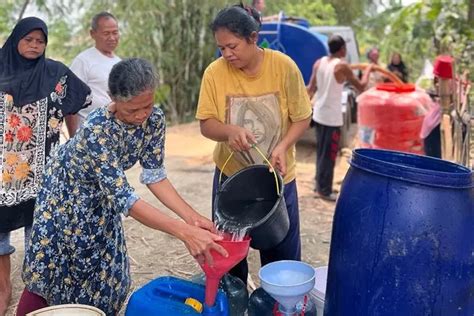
235 290
171 296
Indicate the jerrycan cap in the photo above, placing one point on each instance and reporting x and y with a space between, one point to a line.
194 303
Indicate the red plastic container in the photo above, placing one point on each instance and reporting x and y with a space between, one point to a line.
390 117
443 67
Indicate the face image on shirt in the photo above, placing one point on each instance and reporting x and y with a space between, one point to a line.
261 116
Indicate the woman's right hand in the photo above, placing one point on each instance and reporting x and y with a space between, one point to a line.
200 242
240 139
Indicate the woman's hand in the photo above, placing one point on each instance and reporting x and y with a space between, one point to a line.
198 220
200 242
240 139
278 159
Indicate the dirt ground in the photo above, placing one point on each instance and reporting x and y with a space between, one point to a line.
190 168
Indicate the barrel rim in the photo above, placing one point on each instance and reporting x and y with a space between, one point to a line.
460 178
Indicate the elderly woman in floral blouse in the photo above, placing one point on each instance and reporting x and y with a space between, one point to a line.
77 251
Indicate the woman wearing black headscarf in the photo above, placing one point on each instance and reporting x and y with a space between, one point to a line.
397 66
36 94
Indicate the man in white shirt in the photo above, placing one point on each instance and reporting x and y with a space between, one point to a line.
94 64
329 74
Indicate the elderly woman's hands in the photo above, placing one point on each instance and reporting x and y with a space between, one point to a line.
201 242
198 220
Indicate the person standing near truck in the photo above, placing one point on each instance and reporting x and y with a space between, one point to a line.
327 79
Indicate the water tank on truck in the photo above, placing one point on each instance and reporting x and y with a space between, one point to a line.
294 38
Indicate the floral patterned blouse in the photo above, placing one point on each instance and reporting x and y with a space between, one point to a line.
27 134
77 251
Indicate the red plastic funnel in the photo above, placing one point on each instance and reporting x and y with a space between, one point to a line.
237 251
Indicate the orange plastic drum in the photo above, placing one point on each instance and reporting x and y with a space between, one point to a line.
390 117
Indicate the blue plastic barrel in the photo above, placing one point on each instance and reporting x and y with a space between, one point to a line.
298 42
403 238
167 296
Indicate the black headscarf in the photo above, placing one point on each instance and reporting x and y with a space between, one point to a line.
29 80
401 70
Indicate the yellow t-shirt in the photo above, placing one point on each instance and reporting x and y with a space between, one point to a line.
265 104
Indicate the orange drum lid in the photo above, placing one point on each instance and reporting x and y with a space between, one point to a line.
391 87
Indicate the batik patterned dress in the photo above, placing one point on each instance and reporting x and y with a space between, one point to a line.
35 95
77 252
27 134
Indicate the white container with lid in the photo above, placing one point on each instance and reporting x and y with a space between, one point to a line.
68 310
319 291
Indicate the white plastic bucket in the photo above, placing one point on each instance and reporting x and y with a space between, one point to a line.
319 290
68 310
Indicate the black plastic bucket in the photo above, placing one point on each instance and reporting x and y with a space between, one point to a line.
254 197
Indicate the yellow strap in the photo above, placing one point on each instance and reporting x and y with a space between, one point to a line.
264 158
225 164
273 169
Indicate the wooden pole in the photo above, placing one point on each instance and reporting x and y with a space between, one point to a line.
447 137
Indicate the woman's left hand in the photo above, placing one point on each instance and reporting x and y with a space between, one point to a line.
278 159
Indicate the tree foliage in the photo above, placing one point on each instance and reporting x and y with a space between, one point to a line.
349 11
10 10
423 30
174 34
317 12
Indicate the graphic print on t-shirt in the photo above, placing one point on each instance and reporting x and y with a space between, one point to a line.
260 115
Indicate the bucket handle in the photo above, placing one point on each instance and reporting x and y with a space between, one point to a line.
254 146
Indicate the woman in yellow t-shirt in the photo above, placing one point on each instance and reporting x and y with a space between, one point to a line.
257 96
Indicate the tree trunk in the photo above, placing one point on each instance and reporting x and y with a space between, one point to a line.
470 16
23 9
